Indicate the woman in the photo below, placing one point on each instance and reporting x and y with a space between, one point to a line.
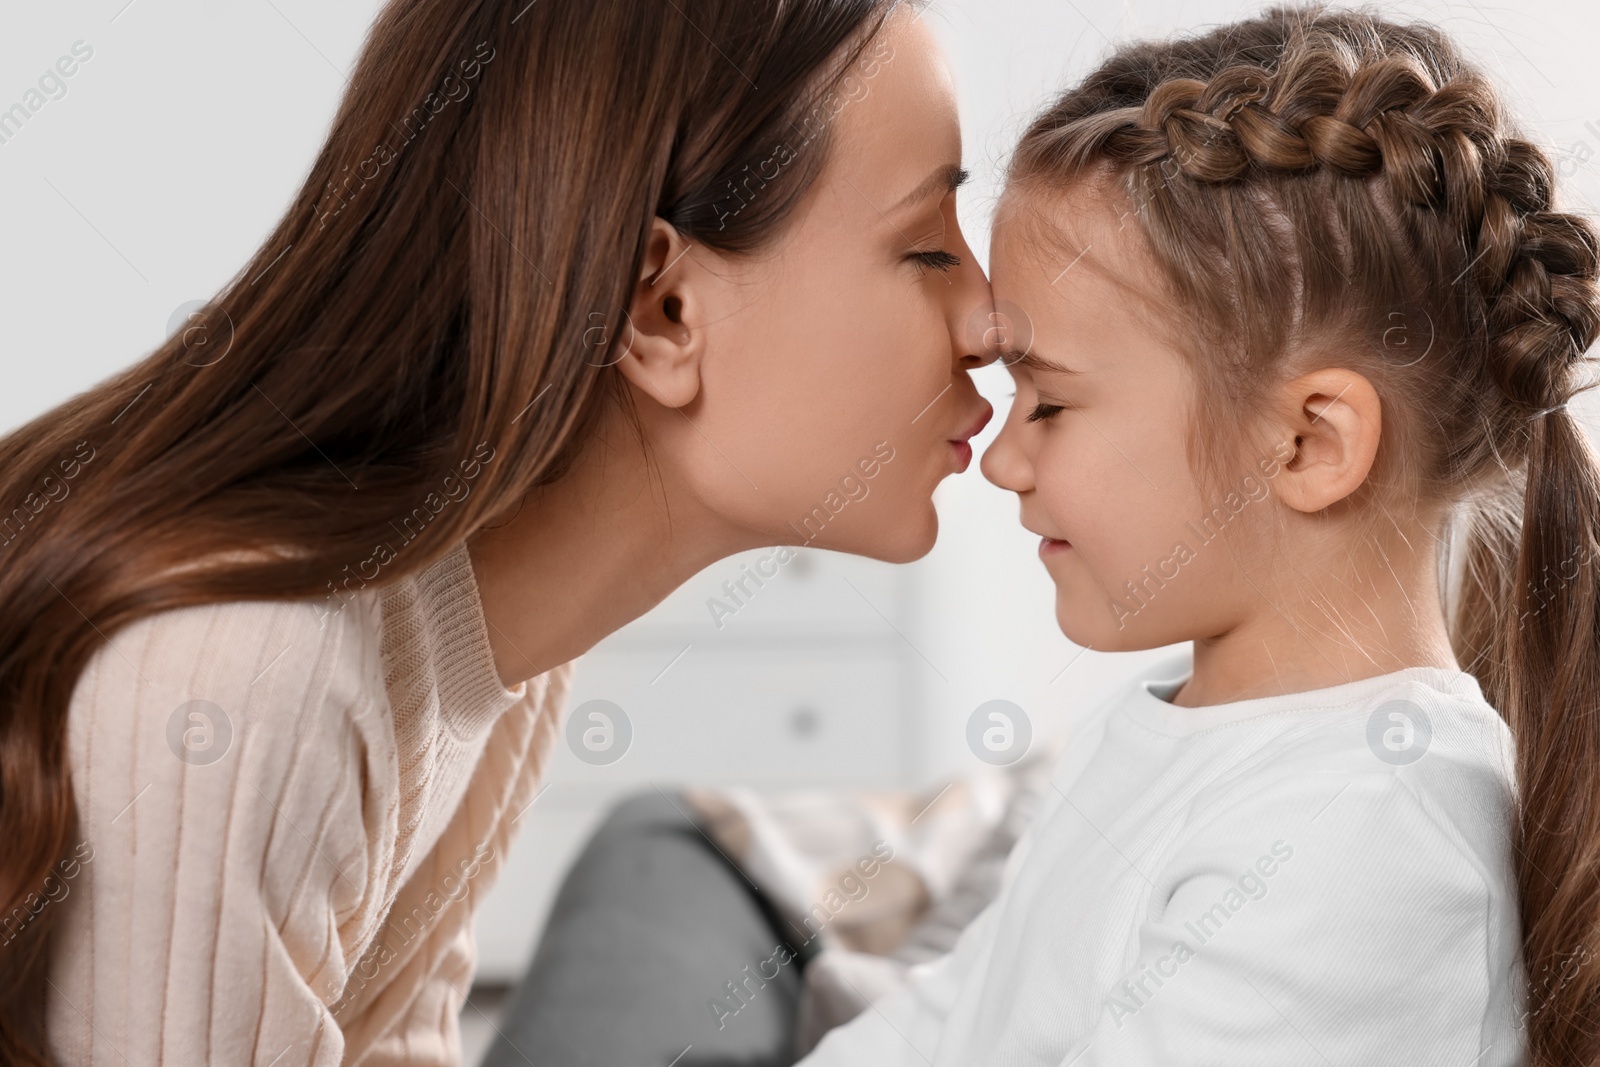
575 300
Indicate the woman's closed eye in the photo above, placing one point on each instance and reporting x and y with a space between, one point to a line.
937 258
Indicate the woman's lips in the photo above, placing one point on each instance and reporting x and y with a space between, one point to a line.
1049 546
976 427
959 443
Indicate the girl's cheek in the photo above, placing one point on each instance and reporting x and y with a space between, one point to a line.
1053 472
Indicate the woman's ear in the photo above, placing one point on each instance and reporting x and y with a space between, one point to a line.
665 338
1333 418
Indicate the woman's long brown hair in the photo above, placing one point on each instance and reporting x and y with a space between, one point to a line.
446 287
1317 179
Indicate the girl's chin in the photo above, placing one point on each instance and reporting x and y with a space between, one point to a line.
1102 637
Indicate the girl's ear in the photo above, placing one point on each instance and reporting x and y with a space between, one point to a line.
665 339
1334 418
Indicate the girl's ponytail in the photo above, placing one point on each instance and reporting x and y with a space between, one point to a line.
1543 659
1529 606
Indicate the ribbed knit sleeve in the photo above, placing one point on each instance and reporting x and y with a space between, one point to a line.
287 818
413 1022
219 756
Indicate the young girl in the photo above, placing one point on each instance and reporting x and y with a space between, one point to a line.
1304 326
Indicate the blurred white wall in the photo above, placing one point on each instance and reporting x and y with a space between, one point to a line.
178 143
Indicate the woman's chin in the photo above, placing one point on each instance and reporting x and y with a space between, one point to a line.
914 547
903 539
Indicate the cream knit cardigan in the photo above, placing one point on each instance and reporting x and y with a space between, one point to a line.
285 873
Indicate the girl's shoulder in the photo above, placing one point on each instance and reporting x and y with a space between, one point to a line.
1429 730
1418 774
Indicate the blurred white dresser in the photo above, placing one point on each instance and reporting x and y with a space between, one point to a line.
808 681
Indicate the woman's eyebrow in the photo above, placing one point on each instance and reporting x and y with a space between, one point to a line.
946 179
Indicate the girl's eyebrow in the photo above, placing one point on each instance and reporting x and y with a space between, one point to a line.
1031 360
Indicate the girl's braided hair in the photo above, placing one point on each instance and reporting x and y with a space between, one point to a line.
1321 184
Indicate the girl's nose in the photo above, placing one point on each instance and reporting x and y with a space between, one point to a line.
1004 463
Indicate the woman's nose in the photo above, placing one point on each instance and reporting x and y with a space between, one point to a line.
981 338
995 336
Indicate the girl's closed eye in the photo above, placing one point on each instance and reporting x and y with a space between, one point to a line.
1043 411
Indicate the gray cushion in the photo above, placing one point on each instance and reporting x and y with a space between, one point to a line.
648 929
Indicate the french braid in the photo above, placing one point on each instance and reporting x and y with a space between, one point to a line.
1314 173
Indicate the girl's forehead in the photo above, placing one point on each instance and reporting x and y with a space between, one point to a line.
1069 239
1065 220
1077 259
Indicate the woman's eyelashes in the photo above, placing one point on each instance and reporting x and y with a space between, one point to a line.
938 259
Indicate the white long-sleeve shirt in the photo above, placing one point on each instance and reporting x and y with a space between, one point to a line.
1314 878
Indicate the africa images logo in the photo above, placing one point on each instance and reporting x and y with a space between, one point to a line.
1399 732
